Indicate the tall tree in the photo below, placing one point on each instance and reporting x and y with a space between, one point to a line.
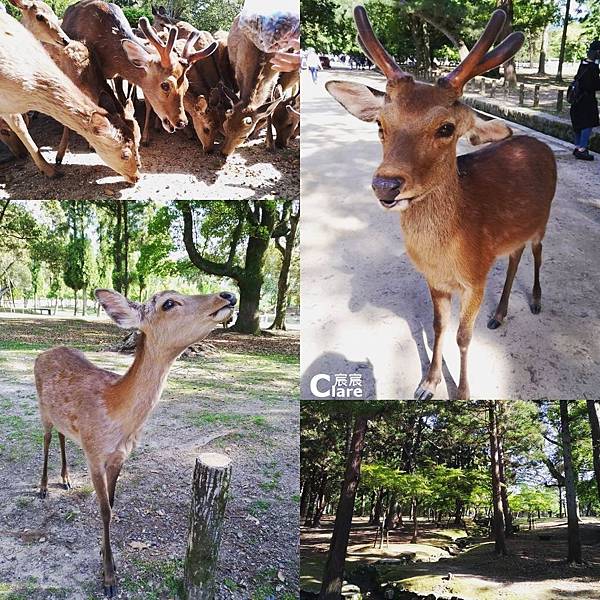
574 540
593 408
498 518
563 41
333 575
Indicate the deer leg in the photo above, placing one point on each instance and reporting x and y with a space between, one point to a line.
64 144
470 303
118 83
441 315
146 132
513 265
65 469
269 139
536 300
108 564
44 481
18 125
113 469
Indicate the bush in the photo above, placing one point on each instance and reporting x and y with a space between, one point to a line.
134 13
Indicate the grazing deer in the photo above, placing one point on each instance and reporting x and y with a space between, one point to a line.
30 80
256 80
460 214
75 60
286 120
105 412
158 70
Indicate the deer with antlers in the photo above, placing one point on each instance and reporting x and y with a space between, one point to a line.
158 70
458 214
105 412
30 80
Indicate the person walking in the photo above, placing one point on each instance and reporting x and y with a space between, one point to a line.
313 62
584 107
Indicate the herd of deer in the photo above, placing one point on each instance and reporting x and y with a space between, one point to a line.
223 82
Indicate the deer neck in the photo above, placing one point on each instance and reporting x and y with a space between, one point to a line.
136 393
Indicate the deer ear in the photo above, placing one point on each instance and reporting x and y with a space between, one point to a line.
266 109
201 104
123 312
488 131
359 100
136 54
21 4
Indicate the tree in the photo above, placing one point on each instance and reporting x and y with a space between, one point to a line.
498 518
253 221
574 541
331 585
563 41
290 215
593 409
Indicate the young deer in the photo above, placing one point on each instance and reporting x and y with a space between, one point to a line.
460 214
75 60
105 412
30 80
158 70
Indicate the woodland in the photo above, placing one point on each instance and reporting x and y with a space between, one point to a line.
478 500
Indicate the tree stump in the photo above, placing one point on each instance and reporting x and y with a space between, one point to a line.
210 489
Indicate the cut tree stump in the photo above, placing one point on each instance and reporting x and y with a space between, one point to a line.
210 490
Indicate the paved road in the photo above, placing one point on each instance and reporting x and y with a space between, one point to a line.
366 310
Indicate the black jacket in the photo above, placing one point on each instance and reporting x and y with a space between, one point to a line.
584 113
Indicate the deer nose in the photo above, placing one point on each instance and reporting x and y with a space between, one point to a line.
387 188
229 296
181 124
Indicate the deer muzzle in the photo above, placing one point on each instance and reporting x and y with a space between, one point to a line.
387 189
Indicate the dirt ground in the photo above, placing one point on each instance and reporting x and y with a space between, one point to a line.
534 569
367 310
173 167
235 401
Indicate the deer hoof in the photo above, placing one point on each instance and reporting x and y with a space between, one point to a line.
493 323
43 494
423 393
67 485
110 591
536 308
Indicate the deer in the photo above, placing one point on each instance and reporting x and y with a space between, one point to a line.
9 137
75 60
286 121
457 214
256 80
105 412
31 81
158 70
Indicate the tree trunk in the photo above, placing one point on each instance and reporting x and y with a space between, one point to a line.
390 518
334 569
125 206
304 498
498 518
508 519
510 66
83 300
283 283
415 513
543 51
210 490
593 408
378 508
75 309
563 42
574 541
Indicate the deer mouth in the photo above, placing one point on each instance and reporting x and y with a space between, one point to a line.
396 203
223 314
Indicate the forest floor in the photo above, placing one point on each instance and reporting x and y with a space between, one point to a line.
240 400
376 317
173 167
534 569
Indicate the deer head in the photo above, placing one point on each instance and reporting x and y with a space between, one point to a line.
240 122
419 123
39 18
170 320
165 81
117 136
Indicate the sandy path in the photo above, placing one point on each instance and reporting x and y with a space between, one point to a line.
173 167
365 308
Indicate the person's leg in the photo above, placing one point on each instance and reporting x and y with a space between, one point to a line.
577 139
585 137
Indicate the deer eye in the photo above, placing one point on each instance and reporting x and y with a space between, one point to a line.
168 304
165 86
247 121
40 17
445 131
206 130
380 128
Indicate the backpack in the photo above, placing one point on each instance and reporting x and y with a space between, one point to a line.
574 91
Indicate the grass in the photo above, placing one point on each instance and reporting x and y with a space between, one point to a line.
155 579
202 419
259 507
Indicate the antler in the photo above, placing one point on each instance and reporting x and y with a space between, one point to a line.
164 50
193 57
479 60
373 48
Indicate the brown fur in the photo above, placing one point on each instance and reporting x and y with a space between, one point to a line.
460 214
104 412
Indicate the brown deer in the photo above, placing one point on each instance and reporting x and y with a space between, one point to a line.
30 80
286 121
9 137
75 60
104 412
460 214
158 70
256 80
